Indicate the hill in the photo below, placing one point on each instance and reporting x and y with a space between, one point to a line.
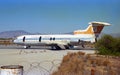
112 34
115 34
13 34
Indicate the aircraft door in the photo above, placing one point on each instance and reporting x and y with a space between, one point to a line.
24 39
40 39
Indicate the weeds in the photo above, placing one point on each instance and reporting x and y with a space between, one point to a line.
108 45
86 64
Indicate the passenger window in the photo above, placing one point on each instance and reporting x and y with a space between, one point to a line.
50 39
53 38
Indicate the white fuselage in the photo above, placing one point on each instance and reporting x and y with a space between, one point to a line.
50 39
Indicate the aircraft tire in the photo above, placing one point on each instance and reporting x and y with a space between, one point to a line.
26 47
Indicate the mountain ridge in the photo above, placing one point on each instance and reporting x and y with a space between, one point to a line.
13 34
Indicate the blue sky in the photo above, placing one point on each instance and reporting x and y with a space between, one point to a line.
58 16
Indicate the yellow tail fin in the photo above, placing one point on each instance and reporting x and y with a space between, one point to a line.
93 28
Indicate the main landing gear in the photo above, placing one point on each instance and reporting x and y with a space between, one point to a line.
26 47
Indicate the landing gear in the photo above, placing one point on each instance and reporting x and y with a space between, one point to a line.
81 43
67 46
55 47
26 47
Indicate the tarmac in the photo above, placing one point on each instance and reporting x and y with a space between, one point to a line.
36 60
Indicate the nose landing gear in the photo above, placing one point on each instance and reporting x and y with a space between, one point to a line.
26 47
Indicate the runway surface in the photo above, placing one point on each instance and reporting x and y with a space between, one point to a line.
36 61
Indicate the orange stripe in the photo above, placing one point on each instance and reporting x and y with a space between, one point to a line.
90 31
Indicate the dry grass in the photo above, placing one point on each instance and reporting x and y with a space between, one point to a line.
81 64
6 42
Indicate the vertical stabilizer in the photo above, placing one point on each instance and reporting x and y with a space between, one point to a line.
94 28
97 27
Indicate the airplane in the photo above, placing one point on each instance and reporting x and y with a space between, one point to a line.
63 41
